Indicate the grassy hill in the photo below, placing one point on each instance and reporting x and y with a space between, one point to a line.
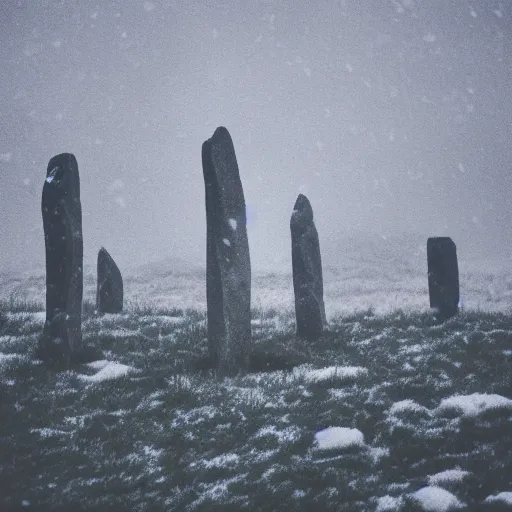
385 412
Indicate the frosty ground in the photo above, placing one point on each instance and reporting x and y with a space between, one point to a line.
387 411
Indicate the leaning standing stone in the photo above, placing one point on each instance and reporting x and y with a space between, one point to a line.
228 266
109 291
443 276
62 221
307 271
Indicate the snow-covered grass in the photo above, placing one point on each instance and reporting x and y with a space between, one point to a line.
384 412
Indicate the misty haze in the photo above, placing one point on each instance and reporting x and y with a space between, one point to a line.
392 117
361 130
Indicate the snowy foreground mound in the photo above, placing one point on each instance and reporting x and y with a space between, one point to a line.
383 413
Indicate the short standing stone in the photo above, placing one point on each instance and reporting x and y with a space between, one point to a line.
443 276
228 266
109 292
307 271
62 222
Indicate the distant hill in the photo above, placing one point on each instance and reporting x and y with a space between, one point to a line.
165 267
384 252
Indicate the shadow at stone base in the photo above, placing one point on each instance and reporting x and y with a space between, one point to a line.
55 357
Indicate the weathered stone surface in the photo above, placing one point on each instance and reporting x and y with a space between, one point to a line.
443 276
62 222
228 266
307 271
109 291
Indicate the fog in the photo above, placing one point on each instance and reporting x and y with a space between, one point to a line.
391 116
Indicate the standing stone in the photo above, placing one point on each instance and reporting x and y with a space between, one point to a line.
228 266
443 276
109 292
307 272
62 222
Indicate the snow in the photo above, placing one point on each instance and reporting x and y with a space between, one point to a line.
215 490
338 437
450 475
477 403
217 462
152 452
118 333
98 365
388 503
505 497
406 405
108 370
48 432
39 317
340 372
288 434
164 319
377 453
232 223
8 357
435 499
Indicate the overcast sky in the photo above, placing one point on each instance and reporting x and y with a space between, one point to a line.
391 116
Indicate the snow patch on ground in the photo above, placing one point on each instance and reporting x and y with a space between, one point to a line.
98 365
504 497
436 499
467 405
39 317
450 475
477 403
107 370
406 405
338 437
388 503
340 372
8 357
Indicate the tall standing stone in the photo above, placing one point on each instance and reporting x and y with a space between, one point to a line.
307 271
443 276
109 291
62 223
228 266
